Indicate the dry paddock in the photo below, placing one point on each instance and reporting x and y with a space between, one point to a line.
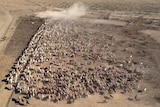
139 45
141 40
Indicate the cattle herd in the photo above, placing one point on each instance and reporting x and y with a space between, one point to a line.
63 60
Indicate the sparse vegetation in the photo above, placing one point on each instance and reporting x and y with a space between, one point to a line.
3 38
158 24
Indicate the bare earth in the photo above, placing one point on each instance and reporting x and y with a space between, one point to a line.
139 36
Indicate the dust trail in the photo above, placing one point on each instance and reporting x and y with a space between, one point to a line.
75 11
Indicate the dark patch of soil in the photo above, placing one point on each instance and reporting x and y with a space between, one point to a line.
27 27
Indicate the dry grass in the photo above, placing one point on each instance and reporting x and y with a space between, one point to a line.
3 38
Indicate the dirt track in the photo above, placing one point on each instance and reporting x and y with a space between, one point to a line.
141 45
8 21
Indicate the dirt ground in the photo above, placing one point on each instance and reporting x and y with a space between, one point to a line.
136 37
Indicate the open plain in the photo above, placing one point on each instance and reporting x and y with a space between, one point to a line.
72 57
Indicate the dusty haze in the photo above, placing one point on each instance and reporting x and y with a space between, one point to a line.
75 11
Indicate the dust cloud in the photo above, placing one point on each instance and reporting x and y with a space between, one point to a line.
75 11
